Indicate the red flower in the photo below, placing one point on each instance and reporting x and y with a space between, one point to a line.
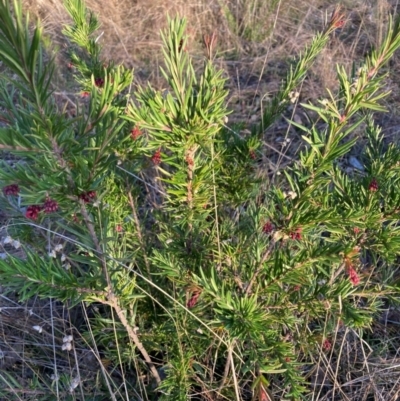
12 189
353 276
32 212
99 82
193 299
87 196
156 158
85 94
135 133
118 228
296 234
326 345
268 228
252 154
50 205
373 186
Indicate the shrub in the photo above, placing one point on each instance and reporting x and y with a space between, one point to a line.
147 205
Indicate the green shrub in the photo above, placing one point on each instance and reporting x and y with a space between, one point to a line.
148 206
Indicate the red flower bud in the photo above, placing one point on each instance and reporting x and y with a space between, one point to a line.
268 228
353 276
87 196
296 235
156 158
32 212
50 206
11 190
326 345
99 82
193 299
373 186
135 133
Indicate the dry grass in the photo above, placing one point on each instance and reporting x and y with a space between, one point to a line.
131 32
255 42
255 45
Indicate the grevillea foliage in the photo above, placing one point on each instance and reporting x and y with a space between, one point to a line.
206 277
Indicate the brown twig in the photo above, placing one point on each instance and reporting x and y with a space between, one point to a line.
113 302
112 299
227 367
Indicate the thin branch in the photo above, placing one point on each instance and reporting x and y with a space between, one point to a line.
20 148
112 299
132 335
227 367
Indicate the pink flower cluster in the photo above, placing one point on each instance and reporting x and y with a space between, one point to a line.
353 276
268 228
49 206
11 190
87 196
32 212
